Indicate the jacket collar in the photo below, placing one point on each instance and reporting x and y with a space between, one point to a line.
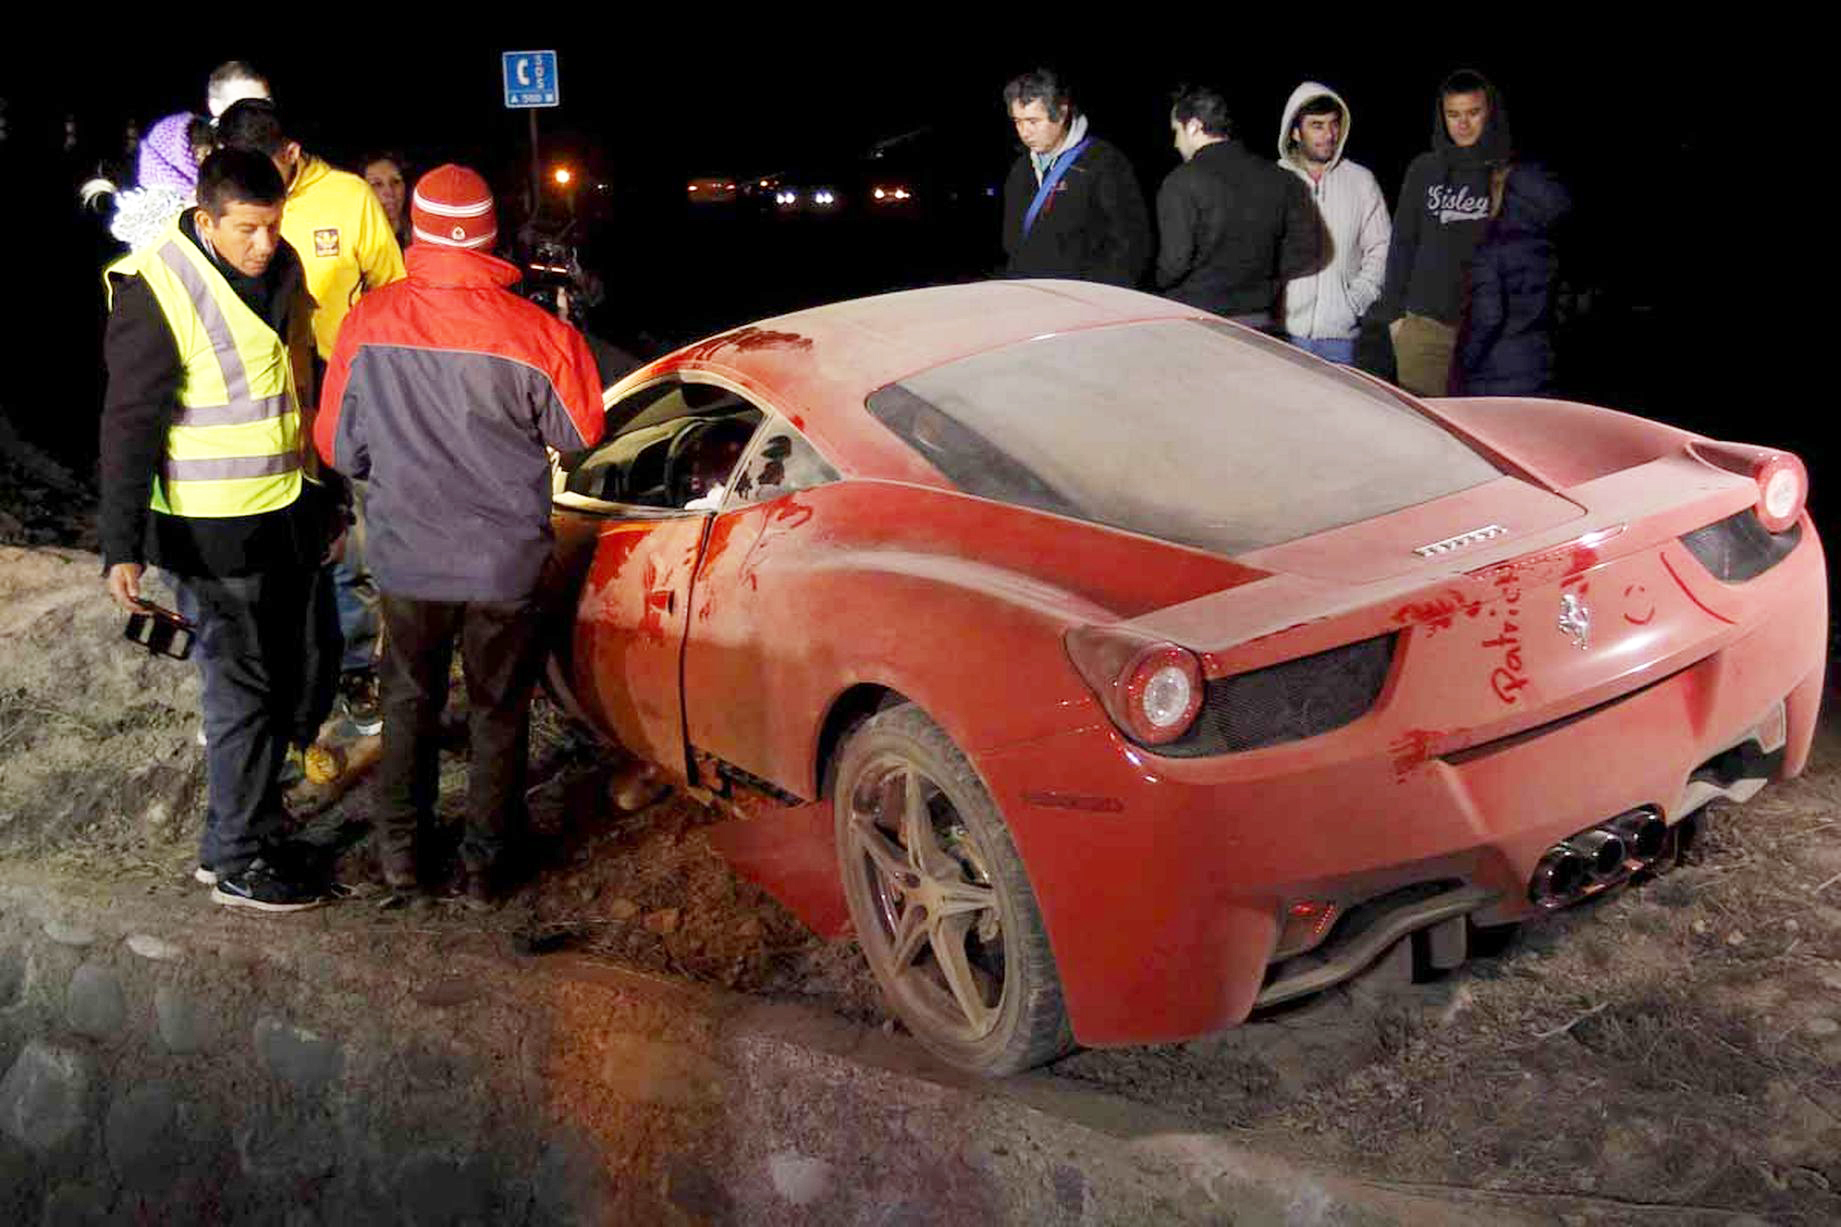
311 171
455 268
1229 148
1076 133
282 274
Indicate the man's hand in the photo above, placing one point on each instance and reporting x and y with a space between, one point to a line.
124 582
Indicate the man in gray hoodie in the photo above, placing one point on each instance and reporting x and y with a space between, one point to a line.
1322 310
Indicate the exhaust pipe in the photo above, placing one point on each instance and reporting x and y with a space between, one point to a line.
1643 832
1602 850
1560 876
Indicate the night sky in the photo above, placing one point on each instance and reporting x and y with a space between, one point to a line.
1651 141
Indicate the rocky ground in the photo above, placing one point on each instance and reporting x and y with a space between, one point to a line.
42 502
1674 1044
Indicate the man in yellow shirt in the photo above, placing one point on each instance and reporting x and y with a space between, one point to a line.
332 218
345 241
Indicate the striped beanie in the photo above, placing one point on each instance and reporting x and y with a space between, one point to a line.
452 207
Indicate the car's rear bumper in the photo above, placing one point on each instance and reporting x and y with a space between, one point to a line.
1164 882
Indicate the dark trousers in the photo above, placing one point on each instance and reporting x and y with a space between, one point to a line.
500 644
264 676
356 593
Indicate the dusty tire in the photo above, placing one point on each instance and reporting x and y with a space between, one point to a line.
951 931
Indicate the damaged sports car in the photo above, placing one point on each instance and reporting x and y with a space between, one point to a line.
1112 671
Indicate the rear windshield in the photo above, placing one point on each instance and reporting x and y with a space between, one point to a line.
1185 430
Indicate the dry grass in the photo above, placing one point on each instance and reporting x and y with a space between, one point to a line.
1676 1043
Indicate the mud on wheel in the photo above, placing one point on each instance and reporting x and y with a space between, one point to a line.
942 907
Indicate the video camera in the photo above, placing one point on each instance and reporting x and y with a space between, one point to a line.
553 271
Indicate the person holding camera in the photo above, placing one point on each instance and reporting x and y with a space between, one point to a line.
443 392
204 476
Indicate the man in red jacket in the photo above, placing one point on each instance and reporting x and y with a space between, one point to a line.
443 391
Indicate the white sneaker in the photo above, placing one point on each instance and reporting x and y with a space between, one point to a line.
205 875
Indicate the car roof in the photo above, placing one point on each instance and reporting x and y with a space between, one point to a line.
820 365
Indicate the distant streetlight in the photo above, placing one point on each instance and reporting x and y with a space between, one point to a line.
563 176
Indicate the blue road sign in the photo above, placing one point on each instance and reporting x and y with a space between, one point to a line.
530 79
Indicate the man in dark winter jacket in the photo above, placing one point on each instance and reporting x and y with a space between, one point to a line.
1505 343
1072 207
443 391
1234 228
1443 210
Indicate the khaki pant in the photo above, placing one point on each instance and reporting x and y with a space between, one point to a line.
1423 348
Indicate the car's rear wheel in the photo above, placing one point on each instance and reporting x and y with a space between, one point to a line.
943 910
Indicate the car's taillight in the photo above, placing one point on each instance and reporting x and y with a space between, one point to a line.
1151 689
1783 482
1783 485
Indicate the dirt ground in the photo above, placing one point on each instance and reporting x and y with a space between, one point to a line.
1677 1042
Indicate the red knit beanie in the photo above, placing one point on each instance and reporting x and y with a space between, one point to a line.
452 206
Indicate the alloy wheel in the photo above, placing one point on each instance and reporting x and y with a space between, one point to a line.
940 937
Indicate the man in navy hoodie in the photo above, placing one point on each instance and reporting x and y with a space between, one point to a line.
1505 342
1443 209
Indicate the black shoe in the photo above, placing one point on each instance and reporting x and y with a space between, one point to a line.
300 861
358 701
261 888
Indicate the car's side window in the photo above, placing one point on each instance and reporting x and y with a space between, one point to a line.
783 462
676 442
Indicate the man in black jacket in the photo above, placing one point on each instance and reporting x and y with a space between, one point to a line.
1235 228
1072 207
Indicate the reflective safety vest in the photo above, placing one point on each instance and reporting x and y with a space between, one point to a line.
233 448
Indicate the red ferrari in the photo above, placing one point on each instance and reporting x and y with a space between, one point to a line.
1113 671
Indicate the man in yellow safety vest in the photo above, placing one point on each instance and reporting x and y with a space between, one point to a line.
205 477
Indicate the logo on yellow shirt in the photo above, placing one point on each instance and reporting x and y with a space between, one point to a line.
326 242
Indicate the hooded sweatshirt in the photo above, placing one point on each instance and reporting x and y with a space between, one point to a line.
1441 215
1329 303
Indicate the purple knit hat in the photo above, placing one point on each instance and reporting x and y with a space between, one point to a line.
166 155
